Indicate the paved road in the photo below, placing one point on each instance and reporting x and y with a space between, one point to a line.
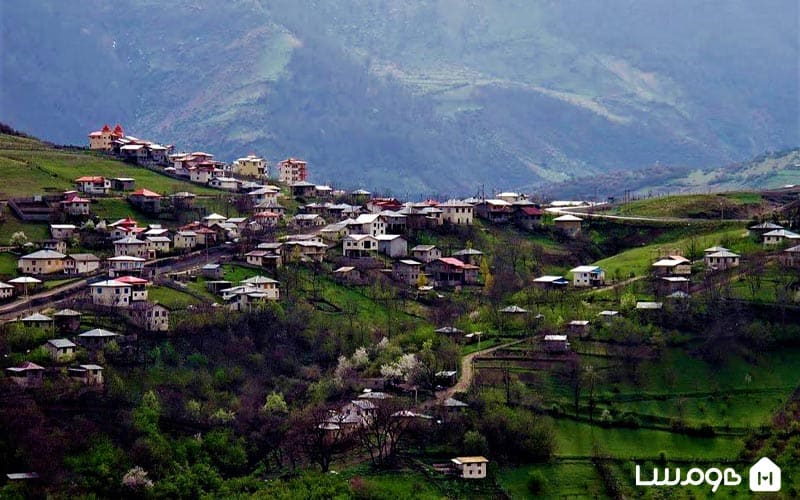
466 371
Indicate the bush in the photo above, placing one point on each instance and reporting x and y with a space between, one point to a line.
536 482
475 443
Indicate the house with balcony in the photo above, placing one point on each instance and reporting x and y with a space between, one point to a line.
125 264
96 185
407 271
449 272
588 276
132 247
359 245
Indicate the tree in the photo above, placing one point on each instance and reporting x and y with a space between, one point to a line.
383 431
320 434
18 239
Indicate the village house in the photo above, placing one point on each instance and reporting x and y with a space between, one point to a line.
93 185
67 321
224 183
469 256
125 264
568 224
359 245
263 258
378 205
81 263
668 285
6 291
334 232
720 258
267 219
89 375
123 184
456 212
265 194
292 170
608 316
182 200
549 282
132 247
146 200
152 317
393 245
672 265
496 211
323 191
26 375
157 245
61 350
124 227
111 293
247 297
779 236
348 275
42 262
449 271
101 139
510 196
303 189
97 338
433 216
138 287
579 327
212 271
63 231
37 321
528 217
75 206
426 253
59 246
307 221
371 224
583 276
555 343
308 250
185 240
759 229
406 271
791 256
395 222
249 166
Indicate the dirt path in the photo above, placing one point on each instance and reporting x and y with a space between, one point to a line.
466 370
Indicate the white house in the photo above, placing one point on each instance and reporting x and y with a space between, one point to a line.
456 212
721 259
471 467
81 263
63 231
359 245
125 264
583 276
778 236
392 245
426 253
93 185
371 224
132 247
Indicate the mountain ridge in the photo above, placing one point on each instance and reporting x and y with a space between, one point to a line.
425 98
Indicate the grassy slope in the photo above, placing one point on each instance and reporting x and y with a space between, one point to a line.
738 205
637 260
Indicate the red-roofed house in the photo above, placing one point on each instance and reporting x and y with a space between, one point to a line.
449 271
72 204
93 184
102 139
146 200
528 216
27 374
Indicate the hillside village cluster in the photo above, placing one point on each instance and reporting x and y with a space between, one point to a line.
363 235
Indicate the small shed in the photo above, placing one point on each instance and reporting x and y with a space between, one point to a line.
37 320
556 343
608 316
67 320
61 349
578 327
347 274
91 375
97 338
211 271
27 374
470 467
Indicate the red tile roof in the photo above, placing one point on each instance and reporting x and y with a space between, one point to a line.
146 193
90 179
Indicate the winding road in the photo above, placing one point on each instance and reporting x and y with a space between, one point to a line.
465 380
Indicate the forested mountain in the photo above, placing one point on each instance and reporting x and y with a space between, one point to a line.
430 97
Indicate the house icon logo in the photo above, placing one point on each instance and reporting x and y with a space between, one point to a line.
765 475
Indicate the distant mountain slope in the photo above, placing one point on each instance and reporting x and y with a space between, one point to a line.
422 97
766 171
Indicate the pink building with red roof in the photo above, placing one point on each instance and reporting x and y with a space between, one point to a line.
449 271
